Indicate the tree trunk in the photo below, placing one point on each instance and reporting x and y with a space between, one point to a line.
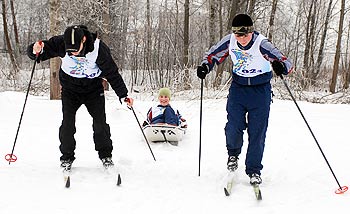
297 37
322 43
272 19
233 10
333 84
308 41
8 42
148 41
125 23
347 66
55 87
220 69
251 7
221 26
211 22
106 32
313 43
105 23
186 44
15 30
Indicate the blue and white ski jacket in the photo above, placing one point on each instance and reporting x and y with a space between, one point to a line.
251 64
163 114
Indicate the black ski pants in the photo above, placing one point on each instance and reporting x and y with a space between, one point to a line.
95 104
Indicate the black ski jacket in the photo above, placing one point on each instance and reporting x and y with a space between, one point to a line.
54 47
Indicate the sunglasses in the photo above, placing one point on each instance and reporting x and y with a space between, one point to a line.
242 30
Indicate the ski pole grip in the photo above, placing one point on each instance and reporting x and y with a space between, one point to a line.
40 43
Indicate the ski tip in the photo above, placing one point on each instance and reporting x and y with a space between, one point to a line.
119 180
259 197
227 193
67 182
257 192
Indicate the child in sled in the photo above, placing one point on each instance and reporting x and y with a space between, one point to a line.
163 113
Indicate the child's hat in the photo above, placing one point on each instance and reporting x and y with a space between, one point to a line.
164 92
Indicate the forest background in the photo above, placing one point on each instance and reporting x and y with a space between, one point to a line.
159 43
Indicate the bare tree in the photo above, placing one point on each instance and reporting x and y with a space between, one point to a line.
55 63
186 43
15 30
125 24
320 55
333 83
8 41
233 9
347 59
105 28
251 7
310 34
272 19
159 42
212 7
148 44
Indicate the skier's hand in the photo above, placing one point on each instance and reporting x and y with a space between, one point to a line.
38 47
278 67
202 71
129 101
145 123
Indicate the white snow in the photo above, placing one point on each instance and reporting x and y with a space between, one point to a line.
295 177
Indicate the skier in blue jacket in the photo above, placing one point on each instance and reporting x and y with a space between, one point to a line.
248 105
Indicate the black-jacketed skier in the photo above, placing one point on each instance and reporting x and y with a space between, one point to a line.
85 60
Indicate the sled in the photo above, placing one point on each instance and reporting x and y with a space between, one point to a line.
164 133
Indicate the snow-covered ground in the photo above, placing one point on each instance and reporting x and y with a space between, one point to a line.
295 177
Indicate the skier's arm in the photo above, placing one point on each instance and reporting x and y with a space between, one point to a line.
50 48
271 53
170 117
110 70
217 53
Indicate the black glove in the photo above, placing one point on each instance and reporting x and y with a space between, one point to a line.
145 123
278 67
123 99
202 71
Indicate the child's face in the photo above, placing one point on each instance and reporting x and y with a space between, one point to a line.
164 100
244 39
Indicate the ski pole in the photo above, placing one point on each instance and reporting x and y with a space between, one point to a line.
133 111
341 189
11 157
200 129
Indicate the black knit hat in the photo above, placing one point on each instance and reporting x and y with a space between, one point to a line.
242 20
242 24
72 38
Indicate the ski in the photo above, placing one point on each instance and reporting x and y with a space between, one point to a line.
257 191
114 172
110 171
229 183
66 177
66 166
119 180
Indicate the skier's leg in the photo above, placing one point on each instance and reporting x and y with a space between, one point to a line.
236 121
95 105
70 105
258 116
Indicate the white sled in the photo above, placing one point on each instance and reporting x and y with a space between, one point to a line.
164 133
